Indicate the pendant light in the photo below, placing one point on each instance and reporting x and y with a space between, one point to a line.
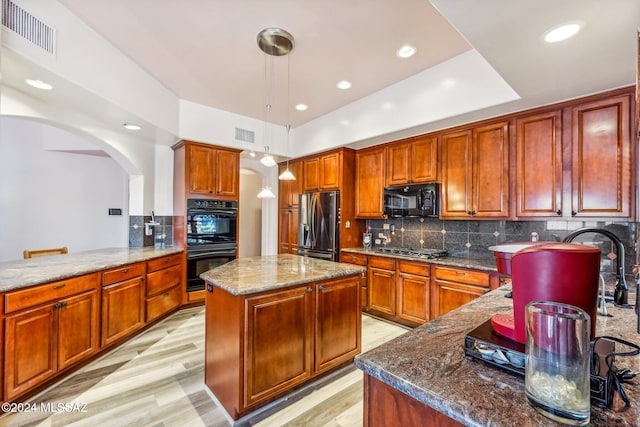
287 175
266 193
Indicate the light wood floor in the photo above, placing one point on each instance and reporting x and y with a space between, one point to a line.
156 380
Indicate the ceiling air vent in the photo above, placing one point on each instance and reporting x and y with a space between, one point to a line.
28 26
245 135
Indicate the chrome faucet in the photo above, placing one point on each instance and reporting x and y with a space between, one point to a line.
621 292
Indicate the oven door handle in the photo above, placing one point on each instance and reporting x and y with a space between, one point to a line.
210 254
231 212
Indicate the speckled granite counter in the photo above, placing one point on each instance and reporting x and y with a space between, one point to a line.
429 365
477 264
27 272
262 273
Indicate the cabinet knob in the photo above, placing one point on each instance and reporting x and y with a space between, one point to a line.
321 288
559 212
309 290
574 213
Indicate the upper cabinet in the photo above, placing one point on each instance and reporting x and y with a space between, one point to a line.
210 171
370 182
412 161
601 156
475 172
539 165
322 173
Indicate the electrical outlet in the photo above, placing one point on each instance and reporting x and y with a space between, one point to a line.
385 226
381 235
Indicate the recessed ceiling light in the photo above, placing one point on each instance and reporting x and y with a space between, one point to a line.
561 32
448 83
302 107
39 84
344 84
406 51
132 126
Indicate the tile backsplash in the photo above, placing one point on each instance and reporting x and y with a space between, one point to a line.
161 233
472 238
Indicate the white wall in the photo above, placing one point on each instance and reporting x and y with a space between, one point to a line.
54 198
250 214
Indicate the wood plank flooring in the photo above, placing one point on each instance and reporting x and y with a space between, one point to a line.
156 380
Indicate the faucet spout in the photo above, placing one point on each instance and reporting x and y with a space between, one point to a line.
621 292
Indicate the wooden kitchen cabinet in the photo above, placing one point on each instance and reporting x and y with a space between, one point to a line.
48 328
358 259
261 346
288 231
381 274
413 292
539 165
475 172
453 287
412 161
164 286
206 171
123 302
601 158
370 172
279 343
289 191
322 173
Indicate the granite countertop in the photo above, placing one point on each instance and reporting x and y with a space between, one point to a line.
27 272
262 273
474 263
428 364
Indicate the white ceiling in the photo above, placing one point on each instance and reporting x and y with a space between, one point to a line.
205 51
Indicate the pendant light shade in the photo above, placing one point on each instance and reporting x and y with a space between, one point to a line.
286 175
266 193
268 160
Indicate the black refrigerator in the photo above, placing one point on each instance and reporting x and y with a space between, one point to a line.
319 225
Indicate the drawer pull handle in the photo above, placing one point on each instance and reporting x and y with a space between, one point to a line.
126 270
60 286
460 273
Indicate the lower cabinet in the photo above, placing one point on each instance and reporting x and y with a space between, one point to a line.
358 259
47 329
455 287
399 290
164 286
258 347
123 298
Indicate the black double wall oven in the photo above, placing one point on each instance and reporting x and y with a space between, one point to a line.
211 237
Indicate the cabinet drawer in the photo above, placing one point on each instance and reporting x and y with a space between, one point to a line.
163 303
419 268
384 263
352 258
123 273
158 281
24 298
462 276
164 262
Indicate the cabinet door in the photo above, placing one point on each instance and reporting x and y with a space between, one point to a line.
490 196
450 295
455 153
202 165
601 162
227 173
330 172
539 165
413 298
279 342
288 231
122 309
30 352
338 321
311 174
398 164
382 290
78 331
424 160
370 183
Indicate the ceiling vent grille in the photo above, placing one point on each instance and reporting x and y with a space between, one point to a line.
28 26
245 135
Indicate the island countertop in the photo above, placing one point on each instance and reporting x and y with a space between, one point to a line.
428 364
27 272
250 275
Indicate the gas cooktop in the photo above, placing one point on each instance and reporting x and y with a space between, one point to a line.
418 253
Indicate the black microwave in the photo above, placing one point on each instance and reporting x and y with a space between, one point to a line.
412 200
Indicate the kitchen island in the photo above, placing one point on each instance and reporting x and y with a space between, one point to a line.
424 375
274 323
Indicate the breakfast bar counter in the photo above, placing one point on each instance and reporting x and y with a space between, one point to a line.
426 373
274 323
